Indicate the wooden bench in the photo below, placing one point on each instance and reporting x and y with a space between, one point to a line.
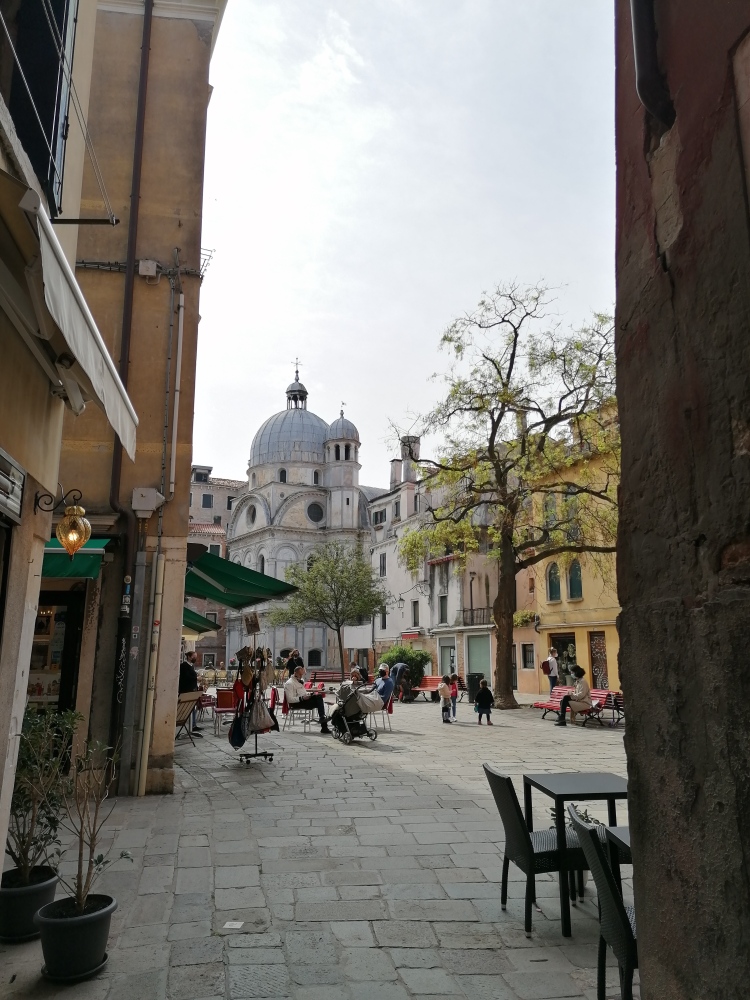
552 704
326 676
604 700
428 685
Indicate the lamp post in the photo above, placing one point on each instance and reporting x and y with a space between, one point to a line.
74 530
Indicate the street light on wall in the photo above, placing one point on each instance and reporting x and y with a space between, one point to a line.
74 530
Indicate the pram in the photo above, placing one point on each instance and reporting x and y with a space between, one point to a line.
353 705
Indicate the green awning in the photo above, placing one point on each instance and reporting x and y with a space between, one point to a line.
85 564
196 624
231 585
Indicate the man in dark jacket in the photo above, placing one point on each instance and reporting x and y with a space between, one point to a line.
189 682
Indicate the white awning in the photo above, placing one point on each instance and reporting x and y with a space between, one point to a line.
93 368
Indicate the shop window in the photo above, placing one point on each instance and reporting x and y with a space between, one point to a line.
553 582
575 583
415 614
314 658
443 609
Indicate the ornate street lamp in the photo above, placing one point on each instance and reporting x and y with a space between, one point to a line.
74 530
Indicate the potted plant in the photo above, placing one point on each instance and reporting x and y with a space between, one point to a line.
74 930
33 842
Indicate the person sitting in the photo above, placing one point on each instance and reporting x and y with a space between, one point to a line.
579 701
298 695
384 684
189 682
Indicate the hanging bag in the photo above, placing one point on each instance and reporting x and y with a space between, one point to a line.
258 719
236 736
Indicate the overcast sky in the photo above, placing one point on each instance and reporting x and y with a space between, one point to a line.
372 167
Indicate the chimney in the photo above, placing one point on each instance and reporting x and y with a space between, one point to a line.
410 456
395 473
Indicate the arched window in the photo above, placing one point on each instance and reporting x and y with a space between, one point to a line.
261 564
575 584
550 510
553 582
282 475
252 480
337 452
347 452
316 478
314 658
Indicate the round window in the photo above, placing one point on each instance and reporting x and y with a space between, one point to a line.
315 512
252 513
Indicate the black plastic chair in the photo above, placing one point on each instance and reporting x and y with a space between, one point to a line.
535 853
617 921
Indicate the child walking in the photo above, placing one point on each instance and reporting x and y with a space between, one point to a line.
444 691
483 702
454 693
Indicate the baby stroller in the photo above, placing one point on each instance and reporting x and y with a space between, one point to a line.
349 718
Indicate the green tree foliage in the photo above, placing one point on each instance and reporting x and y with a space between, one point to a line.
338 588
415 659
530 463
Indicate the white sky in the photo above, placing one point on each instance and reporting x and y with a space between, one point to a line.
372 167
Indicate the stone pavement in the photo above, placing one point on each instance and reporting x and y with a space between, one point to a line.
368 872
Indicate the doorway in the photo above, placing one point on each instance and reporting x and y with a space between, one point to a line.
55 651
478 655
565 644
447 656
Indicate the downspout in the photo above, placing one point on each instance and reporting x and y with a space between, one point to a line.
127 633
649 81
151 678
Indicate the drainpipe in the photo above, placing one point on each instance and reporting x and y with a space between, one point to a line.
649 81
128 631
177 377
151 678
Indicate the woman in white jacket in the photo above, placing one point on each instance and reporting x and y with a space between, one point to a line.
579 701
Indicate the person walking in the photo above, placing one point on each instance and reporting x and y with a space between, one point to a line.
484 702
294 661
579 701
553 672
454 694
444 693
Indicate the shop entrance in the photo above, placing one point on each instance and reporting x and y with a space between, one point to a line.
53 670
565 644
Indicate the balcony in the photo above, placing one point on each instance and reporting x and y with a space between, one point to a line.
478 616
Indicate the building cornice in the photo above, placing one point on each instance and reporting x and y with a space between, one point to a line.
187 9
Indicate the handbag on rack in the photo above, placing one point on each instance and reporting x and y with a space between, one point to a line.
236 736
258 719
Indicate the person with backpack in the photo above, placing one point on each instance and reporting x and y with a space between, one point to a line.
549 667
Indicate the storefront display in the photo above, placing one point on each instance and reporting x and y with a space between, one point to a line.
53 668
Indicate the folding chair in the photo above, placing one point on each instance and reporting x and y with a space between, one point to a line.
185 704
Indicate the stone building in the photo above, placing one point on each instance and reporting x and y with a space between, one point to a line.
302 490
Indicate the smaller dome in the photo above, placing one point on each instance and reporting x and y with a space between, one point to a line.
343 430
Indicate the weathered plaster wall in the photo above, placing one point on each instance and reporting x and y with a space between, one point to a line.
683 355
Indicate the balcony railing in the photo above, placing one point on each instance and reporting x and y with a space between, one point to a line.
477 616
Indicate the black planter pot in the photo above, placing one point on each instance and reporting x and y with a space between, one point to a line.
74 947
18 904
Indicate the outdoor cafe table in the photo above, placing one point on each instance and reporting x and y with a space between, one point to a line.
571 787
620 837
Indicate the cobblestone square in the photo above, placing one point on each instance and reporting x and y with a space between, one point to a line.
367 871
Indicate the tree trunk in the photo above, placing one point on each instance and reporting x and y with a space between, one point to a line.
502 611
341 651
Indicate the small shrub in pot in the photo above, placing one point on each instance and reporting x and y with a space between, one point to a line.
33 843
74 930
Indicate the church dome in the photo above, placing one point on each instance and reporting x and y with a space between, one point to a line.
294 435
343 430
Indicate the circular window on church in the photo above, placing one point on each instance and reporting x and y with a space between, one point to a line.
315 512
251 514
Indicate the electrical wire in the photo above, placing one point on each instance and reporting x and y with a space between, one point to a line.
77 107
31 99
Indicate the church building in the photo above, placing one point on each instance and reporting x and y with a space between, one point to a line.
302 491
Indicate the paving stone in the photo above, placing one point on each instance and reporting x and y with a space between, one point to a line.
190 880
367 910
323 993
541 985
416 958
144 985
318 893
140 958
194 840
542 960
431 891
190 931
485 988
255 956
430 981
315 975
237 878
378 991
258 981
367 963
353 934
264 939
234 899
289 880
465 935
476 961
192 982
253 920
310 947
149 910
193 857
434 909
131 937
198 951
352 878
403 934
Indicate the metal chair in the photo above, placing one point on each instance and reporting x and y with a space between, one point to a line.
617 921
224 706
384 714
534 853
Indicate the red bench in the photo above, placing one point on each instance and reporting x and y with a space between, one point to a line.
428 685
553 702
602 701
